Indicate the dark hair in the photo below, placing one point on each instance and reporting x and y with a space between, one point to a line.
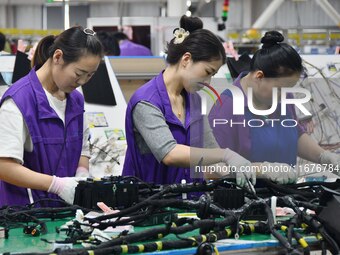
75 42
190 23
109 42
2 41
202 44
120 36
275 58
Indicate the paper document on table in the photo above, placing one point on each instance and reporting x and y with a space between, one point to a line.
96 119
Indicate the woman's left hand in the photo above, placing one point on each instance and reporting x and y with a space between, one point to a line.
332 160
278 172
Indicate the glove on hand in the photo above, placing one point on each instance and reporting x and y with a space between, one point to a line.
328 157
64 187
332 159
82 172
279 172
243 169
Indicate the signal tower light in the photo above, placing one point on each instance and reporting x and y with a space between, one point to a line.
225 10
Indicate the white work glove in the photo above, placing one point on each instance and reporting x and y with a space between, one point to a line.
243 167
331 159
82 172
279 172
64 187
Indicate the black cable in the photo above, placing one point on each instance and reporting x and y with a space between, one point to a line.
323 247
21 216
297 189
292 224
204 207
178 188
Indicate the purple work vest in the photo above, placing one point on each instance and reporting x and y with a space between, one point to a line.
56 148
128 48
146 166
237 137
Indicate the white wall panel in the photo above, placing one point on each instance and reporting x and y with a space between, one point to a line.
23 2
146 9
55 18
3 17
104 10
28 16
126 9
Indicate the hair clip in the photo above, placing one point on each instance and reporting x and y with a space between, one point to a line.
89 31
180 34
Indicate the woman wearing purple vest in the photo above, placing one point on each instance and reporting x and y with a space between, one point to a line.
169 139
42 153
276 66
129 48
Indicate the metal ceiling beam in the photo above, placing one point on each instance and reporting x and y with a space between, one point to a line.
267 14
330 11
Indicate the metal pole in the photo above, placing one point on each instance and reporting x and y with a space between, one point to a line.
44 17
66 10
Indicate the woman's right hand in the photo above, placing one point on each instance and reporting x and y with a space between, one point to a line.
64 187
243 167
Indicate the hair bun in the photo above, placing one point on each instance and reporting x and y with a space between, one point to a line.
190 23
271 38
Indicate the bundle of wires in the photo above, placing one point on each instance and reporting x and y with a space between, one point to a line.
215 223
